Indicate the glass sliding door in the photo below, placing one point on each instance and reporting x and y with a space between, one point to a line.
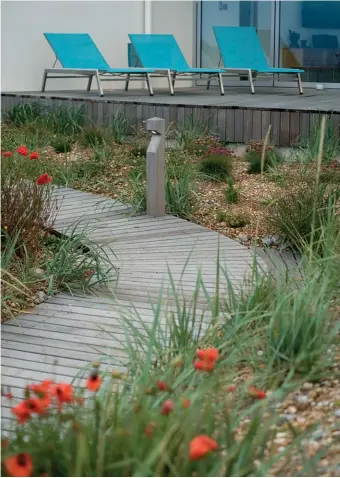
308 37
235 13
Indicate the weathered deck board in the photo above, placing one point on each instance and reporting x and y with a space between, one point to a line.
238 116
59 337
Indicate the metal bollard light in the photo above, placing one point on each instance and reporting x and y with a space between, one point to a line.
155 168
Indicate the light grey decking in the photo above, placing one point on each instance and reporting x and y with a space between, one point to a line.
236 117
235 97
58 338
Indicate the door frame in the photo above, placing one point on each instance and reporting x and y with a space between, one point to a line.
232 79
289 83
274 53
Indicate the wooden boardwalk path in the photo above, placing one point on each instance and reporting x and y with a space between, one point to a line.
59 337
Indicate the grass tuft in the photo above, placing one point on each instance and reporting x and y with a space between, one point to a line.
216 167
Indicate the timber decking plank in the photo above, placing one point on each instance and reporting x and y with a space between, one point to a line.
67 332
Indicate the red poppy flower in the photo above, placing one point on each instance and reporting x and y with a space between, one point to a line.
64 393
150 428
22 150
204 366
22 412
7 154
200 446
37 405
256 392
94 382
44 179
19 465
8 395
167 407
34 155
161 386
186 403
231 388
209 355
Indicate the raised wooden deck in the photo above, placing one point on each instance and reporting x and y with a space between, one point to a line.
238 116
61 336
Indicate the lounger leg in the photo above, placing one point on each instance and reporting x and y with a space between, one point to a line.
99 84
127 82
173 79
208 82
44 81
299 84
220 79
171 88
148 82
89 84
250 76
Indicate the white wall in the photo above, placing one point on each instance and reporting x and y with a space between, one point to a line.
177 18
25 52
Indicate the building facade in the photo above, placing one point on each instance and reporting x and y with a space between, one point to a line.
293 34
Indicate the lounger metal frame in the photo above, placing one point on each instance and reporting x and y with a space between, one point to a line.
99 75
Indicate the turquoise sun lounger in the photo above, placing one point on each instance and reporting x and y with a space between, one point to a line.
80 57
241 50
162 52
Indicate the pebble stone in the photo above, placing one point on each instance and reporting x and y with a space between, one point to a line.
243 238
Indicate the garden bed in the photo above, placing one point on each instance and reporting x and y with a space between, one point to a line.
266 393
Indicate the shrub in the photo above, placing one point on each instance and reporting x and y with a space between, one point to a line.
231 193
62 144
217 167
254 160
301 214
237 220
27 209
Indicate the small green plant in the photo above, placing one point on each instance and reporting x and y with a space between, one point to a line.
300 329
237 220
216 167
179 192
24 113
94 136
302 213
221 216
309 147
119 127
139 151
75 263
190 132
231 193
254 160
65 121
62 144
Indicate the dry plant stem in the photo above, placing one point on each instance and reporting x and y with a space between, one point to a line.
317 175
265 143
321 146
263 155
